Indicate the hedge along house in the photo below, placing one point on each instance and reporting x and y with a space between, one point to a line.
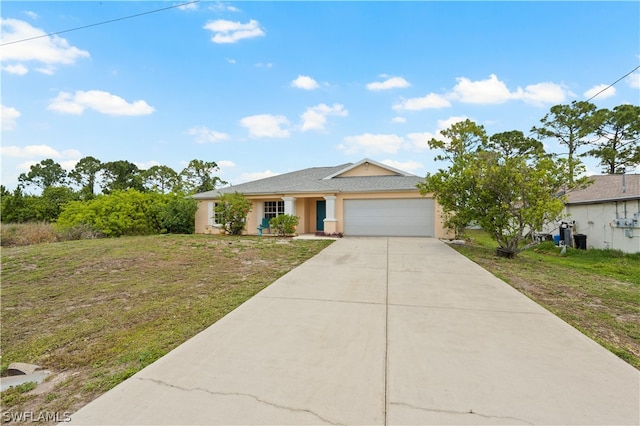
362 199
607 212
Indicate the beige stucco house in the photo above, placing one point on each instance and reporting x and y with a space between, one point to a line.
362 199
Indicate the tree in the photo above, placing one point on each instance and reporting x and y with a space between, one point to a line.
162 179
619 144
44 174
231 212
460 138
508 187
121 175
84 174
198 177
453 185
573 126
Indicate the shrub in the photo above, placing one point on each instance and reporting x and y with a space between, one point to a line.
231 212
285 224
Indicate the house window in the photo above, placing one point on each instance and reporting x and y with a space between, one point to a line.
273 209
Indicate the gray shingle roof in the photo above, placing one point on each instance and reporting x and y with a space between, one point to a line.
313 180
607 188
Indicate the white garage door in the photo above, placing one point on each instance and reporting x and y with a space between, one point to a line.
398 217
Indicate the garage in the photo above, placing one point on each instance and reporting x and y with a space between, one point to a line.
405 217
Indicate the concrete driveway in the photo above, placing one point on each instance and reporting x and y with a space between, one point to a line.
377 331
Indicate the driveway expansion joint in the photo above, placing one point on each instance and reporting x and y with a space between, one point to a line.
470 412
260 400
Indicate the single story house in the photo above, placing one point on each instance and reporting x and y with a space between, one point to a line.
367 198
607 212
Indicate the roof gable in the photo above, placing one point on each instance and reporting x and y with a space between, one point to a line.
367 167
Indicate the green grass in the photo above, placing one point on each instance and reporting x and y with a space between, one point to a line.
596 291
98 311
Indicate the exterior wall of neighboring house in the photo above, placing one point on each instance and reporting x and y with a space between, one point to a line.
598 222
304 206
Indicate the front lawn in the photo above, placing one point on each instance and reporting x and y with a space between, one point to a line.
97 311
596 291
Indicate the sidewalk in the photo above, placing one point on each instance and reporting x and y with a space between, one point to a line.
381 331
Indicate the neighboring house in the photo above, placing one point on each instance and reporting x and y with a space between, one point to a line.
362 199
607 212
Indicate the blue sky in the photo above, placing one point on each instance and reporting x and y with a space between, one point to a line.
264 88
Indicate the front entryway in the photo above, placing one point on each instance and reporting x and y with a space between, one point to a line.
321 214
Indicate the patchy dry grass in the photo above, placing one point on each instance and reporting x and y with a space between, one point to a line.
97 311
596 291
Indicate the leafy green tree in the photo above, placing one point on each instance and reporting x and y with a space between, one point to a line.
454 184
121 175
177 214
199 176
284 224
231 212
18 207
573 126
508 187
44 174
49 206
162 179
619 144
85 174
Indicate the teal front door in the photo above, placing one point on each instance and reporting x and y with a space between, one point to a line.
321 214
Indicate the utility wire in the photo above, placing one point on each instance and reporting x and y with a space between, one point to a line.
611 85
100 23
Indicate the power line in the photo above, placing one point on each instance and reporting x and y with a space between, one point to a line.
612 84
100 23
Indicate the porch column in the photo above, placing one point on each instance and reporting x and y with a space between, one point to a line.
289 205
330 222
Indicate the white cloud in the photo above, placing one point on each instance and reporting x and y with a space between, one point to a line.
204 135
231 32
18 69
370 144
103 102
634 80
445 124
432 100
266 126
223 7
315 118
490 91
248 177
610 91
399 120
390 83
542 93
49 50
9 117
494 91
407 166
305 82
36 151
146 165
188 6
226 164
418 141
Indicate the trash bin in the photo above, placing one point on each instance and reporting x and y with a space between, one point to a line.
580 241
